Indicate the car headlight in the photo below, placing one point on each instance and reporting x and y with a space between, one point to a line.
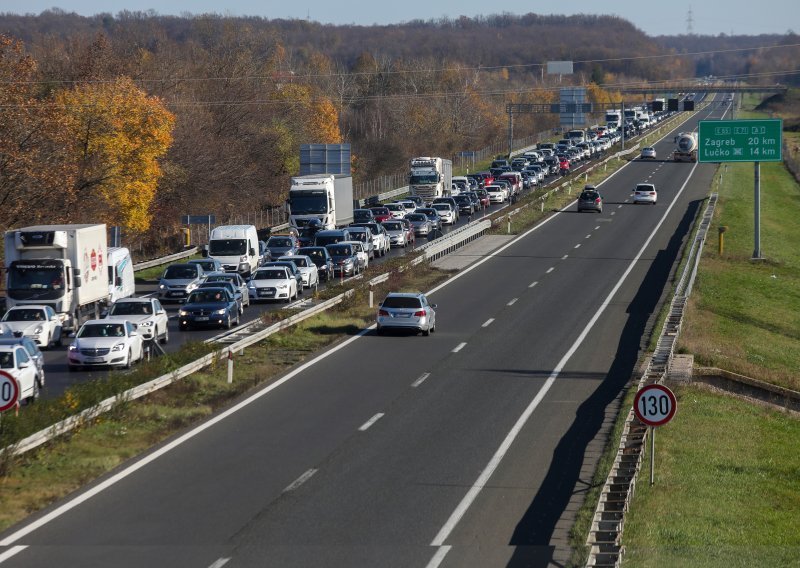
191 286
162 286
183 313
283 286
73 346
146 324
118 347
38 330
220 312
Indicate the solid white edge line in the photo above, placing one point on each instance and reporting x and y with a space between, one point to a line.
60 510
220 563
420 380
438 558
488 322
13 551
494 462
366 425
300 480
459 347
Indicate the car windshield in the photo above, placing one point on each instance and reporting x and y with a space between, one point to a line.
6 360
208 265
218 278
102 330
207 296
131 309
380 211
397 226
401 302
279 242
299 261
416 217
24 315
270 275
313 253
442 207
227 247
340 250
589 195
395 207
180 272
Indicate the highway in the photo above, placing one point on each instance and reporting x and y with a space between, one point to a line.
58 378
471 447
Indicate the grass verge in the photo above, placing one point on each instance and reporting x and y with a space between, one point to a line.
727 488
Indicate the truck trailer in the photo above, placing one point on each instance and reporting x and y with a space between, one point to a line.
686 150
63 266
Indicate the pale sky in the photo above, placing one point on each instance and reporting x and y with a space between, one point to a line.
665 17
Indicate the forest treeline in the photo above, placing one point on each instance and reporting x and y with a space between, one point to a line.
137 118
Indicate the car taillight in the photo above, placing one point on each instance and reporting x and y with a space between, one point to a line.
383 313
652 193
419 314
597 200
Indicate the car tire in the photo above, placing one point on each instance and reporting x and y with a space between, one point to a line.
129 360
379 330
426 332
228 322
164 336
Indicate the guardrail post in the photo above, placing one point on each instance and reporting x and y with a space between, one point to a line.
230 366
371 296
508 219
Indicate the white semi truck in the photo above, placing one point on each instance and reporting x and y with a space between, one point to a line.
686 150
63 266
430 177
325 197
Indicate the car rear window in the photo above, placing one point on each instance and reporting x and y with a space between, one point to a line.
401 302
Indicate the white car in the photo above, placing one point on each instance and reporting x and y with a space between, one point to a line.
397 210
39 322
273 283
308 270
645 193
446 212
497 193
648 153
104 343
361 253
148 314
15 360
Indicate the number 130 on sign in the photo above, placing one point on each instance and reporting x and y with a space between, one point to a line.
654 405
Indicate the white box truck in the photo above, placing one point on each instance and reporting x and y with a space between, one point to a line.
63 266
325 197
236 247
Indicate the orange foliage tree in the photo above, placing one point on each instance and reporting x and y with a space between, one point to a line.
118 134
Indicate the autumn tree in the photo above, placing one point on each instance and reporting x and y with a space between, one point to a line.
118 133
34 176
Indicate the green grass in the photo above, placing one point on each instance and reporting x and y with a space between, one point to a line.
727 488
744 315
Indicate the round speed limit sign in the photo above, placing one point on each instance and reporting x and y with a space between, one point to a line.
9 391
655 405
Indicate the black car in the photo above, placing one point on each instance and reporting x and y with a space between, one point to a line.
433 217
363 216
345 260
209 307
476 201
322 258
465 206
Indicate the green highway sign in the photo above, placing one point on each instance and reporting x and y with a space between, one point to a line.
740 140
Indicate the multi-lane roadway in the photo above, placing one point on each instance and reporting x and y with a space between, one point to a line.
471 447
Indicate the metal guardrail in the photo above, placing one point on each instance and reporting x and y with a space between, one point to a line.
605 534
166 259
455 239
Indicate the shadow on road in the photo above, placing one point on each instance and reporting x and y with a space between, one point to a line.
534 531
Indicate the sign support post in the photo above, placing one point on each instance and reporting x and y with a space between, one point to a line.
757 211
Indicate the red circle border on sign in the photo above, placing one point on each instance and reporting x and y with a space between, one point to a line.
663 389
16 390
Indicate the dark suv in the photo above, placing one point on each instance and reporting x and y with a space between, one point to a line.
590 200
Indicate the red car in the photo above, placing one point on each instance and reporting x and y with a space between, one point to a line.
381 214
410 234
564 166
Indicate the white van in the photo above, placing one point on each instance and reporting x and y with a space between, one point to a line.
236 247
121 282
